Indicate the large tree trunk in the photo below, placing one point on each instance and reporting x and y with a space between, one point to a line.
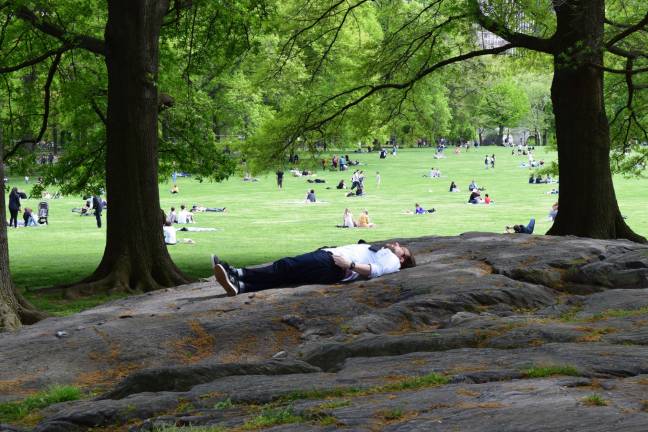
135 257
588 205
14 309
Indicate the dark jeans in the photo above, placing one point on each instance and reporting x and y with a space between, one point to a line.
98 216
13 217
529 228
310 268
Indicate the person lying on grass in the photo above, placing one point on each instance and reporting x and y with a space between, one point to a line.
323 266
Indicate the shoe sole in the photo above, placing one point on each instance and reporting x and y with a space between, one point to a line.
221 277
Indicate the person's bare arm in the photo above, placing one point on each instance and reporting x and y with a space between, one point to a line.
362 269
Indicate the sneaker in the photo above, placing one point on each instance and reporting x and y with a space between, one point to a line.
228 280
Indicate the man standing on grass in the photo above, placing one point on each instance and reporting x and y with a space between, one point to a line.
97 204
323 266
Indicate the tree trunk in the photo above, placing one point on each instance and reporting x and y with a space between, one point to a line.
135 257
588 205
481 136
500 135
14 309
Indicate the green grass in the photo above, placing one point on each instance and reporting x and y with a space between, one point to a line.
550 370
263 223
406 383
274 417
189 429
594 400
17 410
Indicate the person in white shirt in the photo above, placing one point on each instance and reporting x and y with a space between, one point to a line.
184 217
169 233
323 266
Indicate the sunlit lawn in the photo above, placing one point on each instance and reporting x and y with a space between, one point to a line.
263 222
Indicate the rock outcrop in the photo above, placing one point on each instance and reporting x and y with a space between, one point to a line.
489 332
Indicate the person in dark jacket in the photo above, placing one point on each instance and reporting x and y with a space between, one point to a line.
97 204
14 206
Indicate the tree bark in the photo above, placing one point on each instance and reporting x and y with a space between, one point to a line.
588 205
14 309
500 135
135 257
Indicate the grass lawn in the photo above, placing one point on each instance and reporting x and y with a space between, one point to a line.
263 223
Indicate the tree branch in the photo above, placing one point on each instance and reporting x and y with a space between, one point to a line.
35 60
628 31
88 43
518 39
46 110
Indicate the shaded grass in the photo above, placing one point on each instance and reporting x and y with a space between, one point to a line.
18 410
550 370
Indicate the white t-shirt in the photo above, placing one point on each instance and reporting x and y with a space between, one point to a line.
382 262
348 220
183 217
169 235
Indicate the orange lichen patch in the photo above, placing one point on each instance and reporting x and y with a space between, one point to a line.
395 378
407 326
467 392
642 381
247 349
420 362
392 417
15 386
536 342
485 267
196 347
595 334
463 368
286 337
105 377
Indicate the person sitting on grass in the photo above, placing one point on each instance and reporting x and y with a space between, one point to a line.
323 266
200 209
169 233
175 189
341 185
475 197
28 217
420 210
185 217
453 187
553 212
487 199
310 196
522 229
347 219
172 217
363 220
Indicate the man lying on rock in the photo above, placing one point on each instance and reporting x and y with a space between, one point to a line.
327 265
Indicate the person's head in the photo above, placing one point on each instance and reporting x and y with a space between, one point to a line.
14 190
172 209
312 191
403 254
377 172
347 211
365 211
486 195
182 207
517 228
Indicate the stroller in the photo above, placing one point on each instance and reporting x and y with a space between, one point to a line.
43 212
